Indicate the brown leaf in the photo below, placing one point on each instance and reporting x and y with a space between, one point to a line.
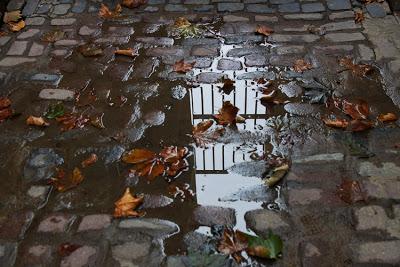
37 121
138 155
92 159
301 65
130 52
357 69
53 36
171 154
90 50
232 244
106 13
63 183
133 3
97 121
182 67
202 135
268 95
336 123
5 109
228 87
5 102
359 16
71 121
227 114
126 205
360 125
357 110
182 22
16 26
149 169
65 249
13 16
350 191
387 117
264 30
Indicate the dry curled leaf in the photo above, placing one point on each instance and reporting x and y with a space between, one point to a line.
387 117
71 121
357 69
133 3
232 244
63 183
92 159
359 16
130 52
336 123
301 65
227 114
182 67
350 191
264 30
126 206
106 13
16 26
37 121
13 16
53 36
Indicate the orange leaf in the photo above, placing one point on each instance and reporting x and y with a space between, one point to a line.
63 184
126 52
133 3
72 121
265 30
37 121
359 16
358 69
16 26
301 65
106 13
182 67
387 117
5 102
173 153
360 125
138 155
13 16
202 135
126 205
89 161
357 110
336 123
227 114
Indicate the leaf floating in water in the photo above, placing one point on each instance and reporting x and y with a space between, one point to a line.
202 134
336 123
357 69
228 86
227 114
63 183
90 50
233 244
53 36
126 206
72 121
351 191
97 121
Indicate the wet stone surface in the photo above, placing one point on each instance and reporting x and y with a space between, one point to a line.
251 112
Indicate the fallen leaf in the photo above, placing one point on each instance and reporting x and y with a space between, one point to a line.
138 155
106 13
268 248
150 169
301 65
387 117
97 121
172 154
54 111
228 86
13 16
317 30
63 183
182 67
126 206
359 16
5 109
65 249
227 114
264 30
90 50
126 52
16 26
268 95
232 244
360 125
336 123
5 102
182 22
71 121
181 191
92 159
53 36
3 33
277 174
133 3
37 121
357 69
202 134
358 109
186 29
350 191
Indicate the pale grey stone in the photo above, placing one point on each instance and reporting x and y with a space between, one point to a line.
28 34
344 37
57 94
17 48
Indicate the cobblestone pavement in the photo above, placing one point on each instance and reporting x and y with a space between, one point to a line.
146 103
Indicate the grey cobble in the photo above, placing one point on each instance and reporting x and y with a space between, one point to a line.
17 48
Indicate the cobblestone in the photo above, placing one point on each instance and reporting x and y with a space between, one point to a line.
210 215
304 196
289 8
230 7
338 4
35 21
94 222
56 223
63 22
286 38
57 94
14 61
312 7
28 34
83 256
260 8
307 16
344 37
4 40
17 48
377 252
262 221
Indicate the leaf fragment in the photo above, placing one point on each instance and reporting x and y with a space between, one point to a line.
54 111
53 36
336 123
133 3
126 206
138 155
182 67
351 191
264 30
13 16
387 117
360 125
106 13
5 109
92 159
232 244
90 50
300 65
359 16
277 174
63 183
36 121
65 249
71 121
357 69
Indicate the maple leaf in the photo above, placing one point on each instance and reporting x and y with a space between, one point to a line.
228 86
264 30
182 67
13 16
301 65
227 114
357 69
106 13
350 191
65 249
387 117
130 52
202 135
359 16
232 244
63 183
16 26
53 36
89 161
37 121
72 121
133 3
126 206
